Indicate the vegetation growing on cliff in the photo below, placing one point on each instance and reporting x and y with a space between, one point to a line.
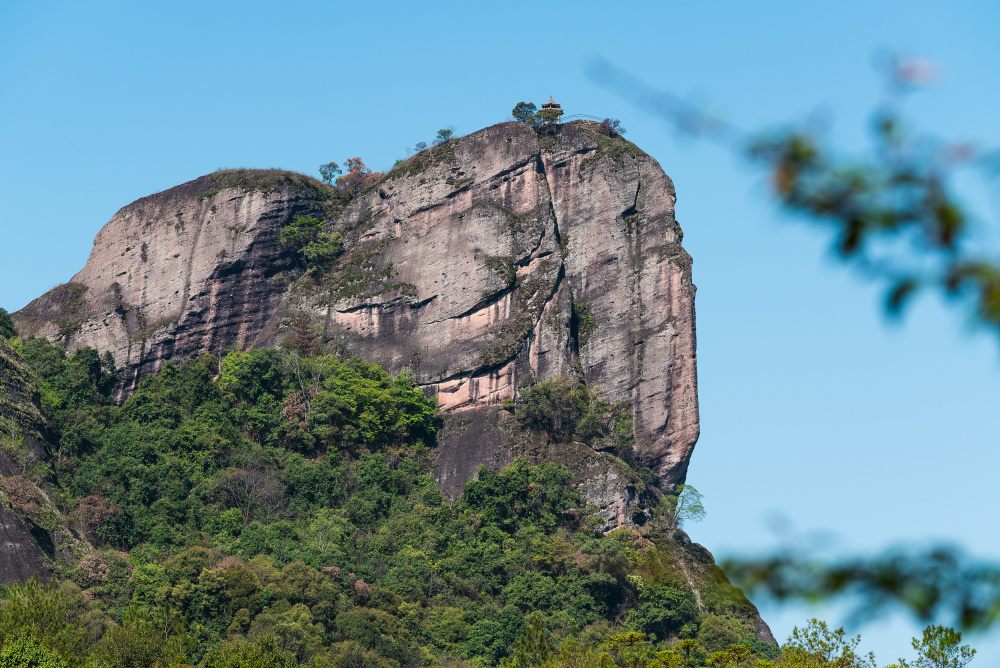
316 248
325 268
7 327
610 143
264 181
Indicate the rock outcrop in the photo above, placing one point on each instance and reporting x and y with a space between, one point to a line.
501 257
191 270
22 439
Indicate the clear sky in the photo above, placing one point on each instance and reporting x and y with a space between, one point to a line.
816 413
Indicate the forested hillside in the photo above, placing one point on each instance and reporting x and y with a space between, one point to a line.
275 508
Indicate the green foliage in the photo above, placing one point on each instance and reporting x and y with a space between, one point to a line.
533 648
275 507
380 632
629 650
521 495
524 112
265 181
56 615
584 322
682 505
261 653
716 633
664 610
567 410
548 116
146 638
300 231
443 135
7 328
329 172
758 646
820 646
24 651
940 647
310 404
316 247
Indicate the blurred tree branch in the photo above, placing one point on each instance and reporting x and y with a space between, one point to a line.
892 208
895 218
940 581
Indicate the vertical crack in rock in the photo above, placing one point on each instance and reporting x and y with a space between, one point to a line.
636 310
189 269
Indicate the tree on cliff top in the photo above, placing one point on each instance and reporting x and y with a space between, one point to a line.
443 135
329 172
357 178
524 112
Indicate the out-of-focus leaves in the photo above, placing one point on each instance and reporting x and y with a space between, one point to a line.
894 217
938 582
899 293
891 208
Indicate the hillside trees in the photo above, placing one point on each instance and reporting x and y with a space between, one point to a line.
236 523
284 510
819 645
939 647
7 328
26 652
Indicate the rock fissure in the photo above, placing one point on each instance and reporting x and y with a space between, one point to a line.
190 264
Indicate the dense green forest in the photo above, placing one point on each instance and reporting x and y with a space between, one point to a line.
275 508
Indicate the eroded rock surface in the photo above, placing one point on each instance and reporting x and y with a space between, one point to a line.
481 264
22 436
191 270
21 558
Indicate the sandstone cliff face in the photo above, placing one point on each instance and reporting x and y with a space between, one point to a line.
187 271
482 264
21 558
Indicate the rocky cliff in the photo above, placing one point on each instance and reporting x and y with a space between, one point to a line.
503 257
22 437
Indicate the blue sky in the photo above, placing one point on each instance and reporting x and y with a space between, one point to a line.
815 409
